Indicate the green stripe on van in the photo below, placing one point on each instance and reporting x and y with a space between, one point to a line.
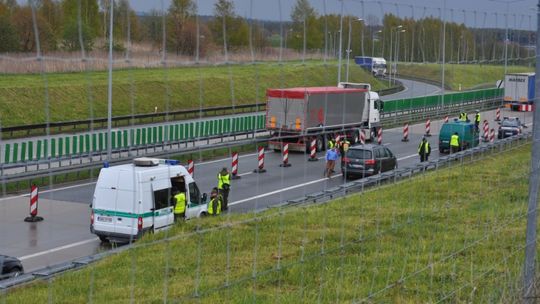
131 215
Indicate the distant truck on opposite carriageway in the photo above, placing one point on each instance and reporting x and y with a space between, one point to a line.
519 91
375 65
299 115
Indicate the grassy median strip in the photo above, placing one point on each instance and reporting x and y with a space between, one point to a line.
464 76
79 96
456 235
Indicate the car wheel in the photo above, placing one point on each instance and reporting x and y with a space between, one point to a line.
15 272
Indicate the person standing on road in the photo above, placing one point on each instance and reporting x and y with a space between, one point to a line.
179 205
463 116
424 149
454 143
224 185
343 148
331 157
214 206
477 120
331 143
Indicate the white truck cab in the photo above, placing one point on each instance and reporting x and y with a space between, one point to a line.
135 198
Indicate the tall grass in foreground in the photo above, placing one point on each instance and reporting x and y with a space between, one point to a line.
453 236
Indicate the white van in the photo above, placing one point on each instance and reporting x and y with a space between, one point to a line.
135 198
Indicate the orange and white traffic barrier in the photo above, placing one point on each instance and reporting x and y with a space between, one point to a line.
313 150
260 158
492 135
428 128
486 130
234 167
379 136
405 133
191 167
362 137
446 119
33 206
498 115
285 156
338 140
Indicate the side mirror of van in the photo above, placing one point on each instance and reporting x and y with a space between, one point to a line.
204 197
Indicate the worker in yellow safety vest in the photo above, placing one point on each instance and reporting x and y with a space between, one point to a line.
424 149
331 143
214 206
224 186
463 116
343 148
454 143
179 205
477 120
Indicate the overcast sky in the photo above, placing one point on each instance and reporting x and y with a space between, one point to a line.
494 11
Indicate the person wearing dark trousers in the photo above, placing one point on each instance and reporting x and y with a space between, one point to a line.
214 206
424 149
454 143
224 186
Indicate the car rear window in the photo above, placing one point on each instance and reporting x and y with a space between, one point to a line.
358 153
510 123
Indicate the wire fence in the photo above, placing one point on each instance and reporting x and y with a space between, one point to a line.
445 231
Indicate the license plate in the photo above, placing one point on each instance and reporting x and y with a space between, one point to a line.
356 166
508 133
106 219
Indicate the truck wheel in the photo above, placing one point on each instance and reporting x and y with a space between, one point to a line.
356 137
320 144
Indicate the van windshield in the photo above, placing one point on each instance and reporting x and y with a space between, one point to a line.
360 154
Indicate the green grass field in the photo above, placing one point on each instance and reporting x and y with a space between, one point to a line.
76 96
468 76
451 236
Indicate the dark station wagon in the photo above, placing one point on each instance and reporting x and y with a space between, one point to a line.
367 160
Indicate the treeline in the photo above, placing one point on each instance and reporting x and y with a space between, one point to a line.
70 24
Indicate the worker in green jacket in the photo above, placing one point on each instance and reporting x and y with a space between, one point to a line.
424 149
179 205
224 186
214 206
454 143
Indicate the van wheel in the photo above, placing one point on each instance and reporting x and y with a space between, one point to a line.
103 239
204 214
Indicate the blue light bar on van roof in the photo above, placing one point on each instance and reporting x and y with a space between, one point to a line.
172 162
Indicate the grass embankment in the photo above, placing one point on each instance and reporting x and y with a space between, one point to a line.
76 96
469 76
454 235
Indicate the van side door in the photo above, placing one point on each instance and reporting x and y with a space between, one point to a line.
195 205
163 205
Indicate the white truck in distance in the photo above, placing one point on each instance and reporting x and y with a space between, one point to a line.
135 198
299 115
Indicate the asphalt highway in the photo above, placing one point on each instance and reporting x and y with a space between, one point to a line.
64 234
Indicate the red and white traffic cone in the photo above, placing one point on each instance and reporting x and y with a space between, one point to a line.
405 133
33 206
428 128
446 119
191 167
234 166
492 135
379 136
285 156
498 115
338 140
486 130
313 150
260 157
362 137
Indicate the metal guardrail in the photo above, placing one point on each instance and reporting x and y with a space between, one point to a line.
312 198
137 119
70 164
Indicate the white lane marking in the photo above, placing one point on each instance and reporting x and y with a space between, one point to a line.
47 191
247 173
296 186
37 254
